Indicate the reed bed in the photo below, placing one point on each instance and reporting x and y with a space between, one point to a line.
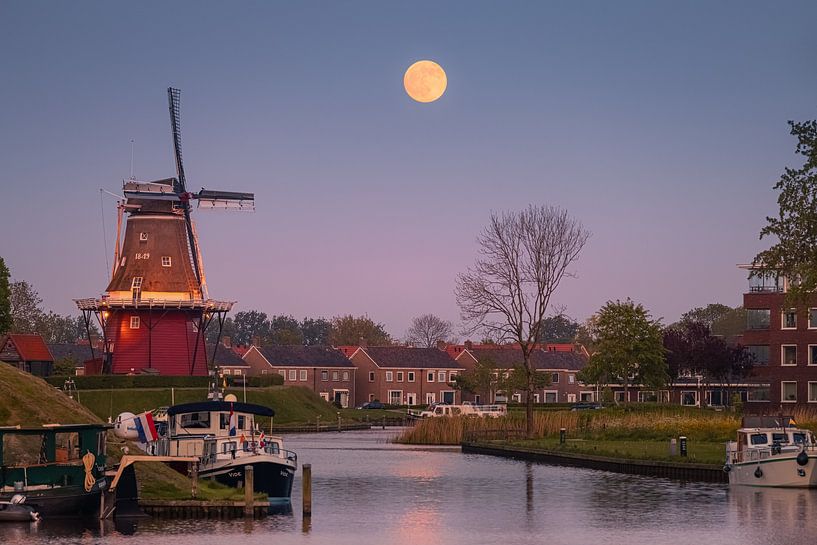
640 422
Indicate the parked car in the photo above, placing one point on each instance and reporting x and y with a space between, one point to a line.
583 405
373 405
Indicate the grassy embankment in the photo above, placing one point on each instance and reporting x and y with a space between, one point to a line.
292 405
28 401
637 432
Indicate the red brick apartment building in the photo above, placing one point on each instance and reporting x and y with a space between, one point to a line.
403 375
324 370
784 343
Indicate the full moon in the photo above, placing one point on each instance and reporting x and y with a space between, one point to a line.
425 81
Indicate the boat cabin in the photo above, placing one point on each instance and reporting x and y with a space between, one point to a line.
757 438
204 429
49 456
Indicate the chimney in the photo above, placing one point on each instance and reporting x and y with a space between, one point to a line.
442 345
226 341
468 345
361 342
256 341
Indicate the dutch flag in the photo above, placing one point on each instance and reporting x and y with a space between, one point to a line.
233 421
145 427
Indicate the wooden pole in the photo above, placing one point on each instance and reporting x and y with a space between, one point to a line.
307 494
249 484
194 479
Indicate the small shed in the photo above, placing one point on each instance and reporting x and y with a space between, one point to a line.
28 353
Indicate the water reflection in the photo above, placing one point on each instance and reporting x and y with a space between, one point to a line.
366 490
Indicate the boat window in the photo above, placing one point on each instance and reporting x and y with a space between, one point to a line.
228 447
223 421
799 438
195 420
759 439
780 438
241 422
273 448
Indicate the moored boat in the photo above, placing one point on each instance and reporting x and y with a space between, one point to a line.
226 437
59 468
772 452
16 510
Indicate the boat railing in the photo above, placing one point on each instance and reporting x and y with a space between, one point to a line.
757 454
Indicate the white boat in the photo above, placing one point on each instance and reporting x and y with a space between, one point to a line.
466 409
772 453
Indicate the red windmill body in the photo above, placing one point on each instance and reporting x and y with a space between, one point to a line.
156 310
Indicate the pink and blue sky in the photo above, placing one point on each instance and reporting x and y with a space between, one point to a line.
660 125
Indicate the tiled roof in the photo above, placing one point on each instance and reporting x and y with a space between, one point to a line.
304 356
408 357
506 358
80 353
225 357
29 347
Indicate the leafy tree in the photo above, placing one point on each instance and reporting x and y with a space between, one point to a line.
707 315
487 379
56 328
5 299
586 334
731 324
629 348
558 329
285 330
250 324
315 331
523 257
25 307
227 330
794 256
427 329
348 330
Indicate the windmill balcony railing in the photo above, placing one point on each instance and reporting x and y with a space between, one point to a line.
209 305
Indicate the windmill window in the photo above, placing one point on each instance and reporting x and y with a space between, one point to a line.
137 282
135 322
165 261
143 237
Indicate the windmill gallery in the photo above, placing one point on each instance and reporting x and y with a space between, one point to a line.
156 308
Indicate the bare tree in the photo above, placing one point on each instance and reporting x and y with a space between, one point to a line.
427 329
523 257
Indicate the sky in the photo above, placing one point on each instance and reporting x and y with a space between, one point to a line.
660 125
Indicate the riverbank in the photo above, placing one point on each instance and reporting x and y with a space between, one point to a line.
686 470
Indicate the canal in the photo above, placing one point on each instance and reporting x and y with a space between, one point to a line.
368 490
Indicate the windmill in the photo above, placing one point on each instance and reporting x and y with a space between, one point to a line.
156 307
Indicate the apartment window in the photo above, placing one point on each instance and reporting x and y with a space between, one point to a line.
430 376
410 376
571 379
143 237
585 396
551 397
812 318
812 354
335 376
647 396
789 319
536 398
452 376
760 353
399 376
517 398
371 397
303 375
165 261
324 375
282 373
759 393
788 392
554 378
236 371
325 396
346 375
618 397
812 392
758 318
441 376
371 378
389 376
135 322
788 354
293 374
